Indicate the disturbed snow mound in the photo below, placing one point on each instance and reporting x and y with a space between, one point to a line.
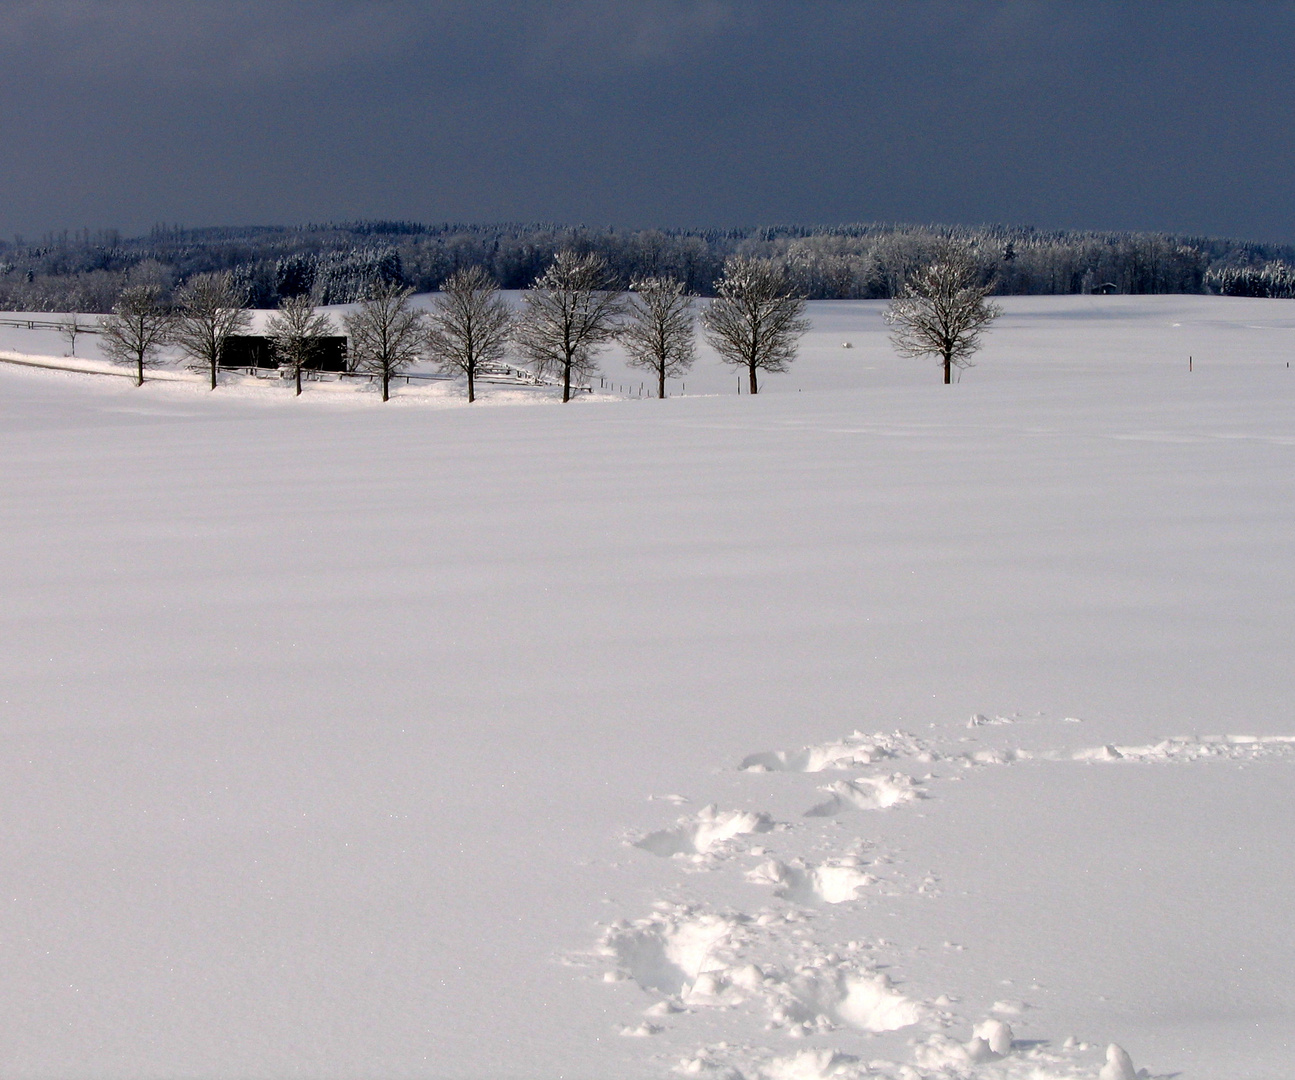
990 756
866 793
815 1065
692 958
858 749
704 831
670 950
827 996
837 881
981 720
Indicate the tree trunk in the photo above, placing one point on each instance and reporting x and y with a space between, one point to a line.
213 371
566 381
140 360
472 396
660 386
755 389
948 368
386 379
298 380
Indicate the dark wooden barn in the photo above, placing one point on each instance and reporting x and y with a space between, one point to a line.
256 351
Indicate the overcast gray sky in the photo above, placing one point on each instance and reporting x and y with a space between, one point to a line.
123 113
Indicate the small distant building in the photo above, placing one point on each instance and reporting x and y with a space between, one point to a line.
257 351
1106 288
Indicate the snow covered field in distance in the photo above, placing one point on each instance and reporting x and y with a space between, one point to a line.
823 734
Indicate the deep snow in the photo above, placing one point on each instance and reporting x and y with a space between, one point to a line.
806 735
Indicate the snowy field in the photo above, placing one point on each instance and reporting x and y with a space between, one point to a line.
805 736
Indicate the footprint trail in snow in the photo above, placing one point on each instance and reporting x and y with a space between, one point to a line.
698 965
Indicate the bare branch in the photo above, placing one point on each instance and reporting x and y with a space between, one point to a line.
69 328
757 318
659 334
569 312
469 325
386 333
210 308
137 328
295 331
942 310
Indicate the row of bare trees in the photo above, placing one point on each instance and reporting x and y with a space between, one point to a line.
211 308
572 310
206 311
754 323
576 307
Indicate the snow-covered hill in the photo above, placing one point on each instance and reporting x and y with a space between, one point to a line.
828 733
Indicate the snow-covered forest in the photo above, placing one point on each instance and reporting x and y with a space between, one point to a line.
86 271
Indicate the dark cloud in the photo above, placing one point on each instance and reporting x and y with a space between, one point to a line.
1104 115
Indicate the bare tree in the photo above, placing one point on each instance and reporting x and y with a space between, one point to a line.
569 312
659 334
209 309
757 318
942 310
137 328
295 331
69 327
469 324
386 333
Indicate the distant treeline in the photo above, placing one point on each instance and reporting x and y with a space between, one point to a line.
337 263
